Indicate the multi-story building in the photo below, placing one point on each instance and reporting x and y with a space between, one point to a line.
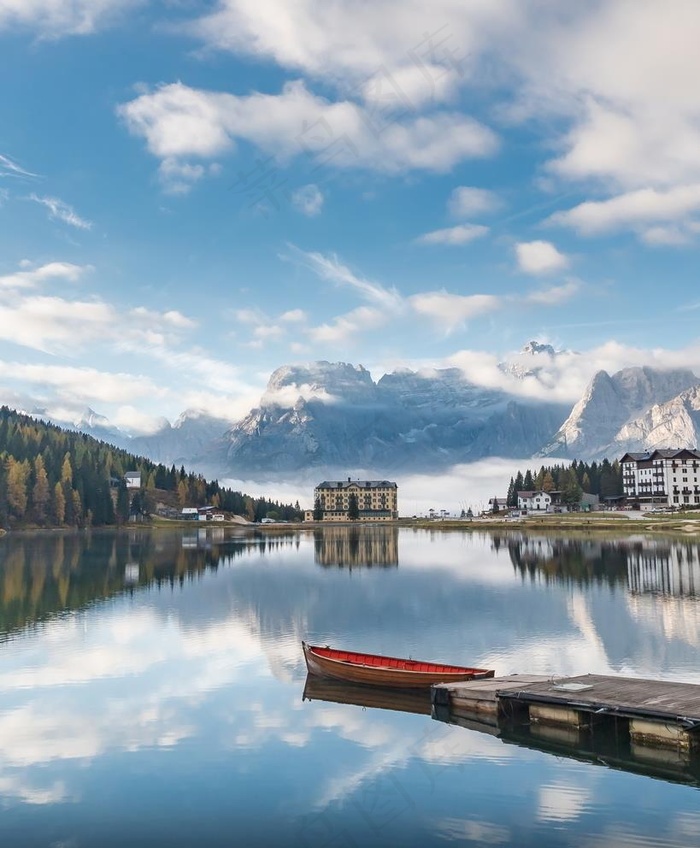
377 500
664 477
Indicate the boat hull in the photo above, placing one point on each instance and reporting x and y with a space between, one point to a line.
374 670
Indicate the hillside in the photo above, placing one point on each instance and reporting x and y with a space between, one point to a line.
51 477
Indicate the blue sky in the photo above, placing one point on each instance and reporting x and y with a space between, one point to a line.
195 193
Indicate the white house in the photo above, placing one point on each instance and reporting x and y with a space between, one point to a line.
132 479
534 501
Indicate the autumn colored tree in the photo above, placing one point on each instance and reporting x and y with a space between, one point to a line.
41 493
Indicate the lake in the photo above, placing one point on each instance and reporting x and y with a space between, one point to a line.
152 688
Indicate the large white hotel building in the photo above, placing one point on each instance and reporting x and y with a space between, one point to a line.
663 477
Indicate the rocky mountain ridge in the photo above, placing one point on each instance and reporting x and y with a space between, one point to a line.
335 416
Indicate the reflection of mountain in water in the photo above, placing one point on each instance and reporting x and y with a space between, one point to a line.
356 546
568 606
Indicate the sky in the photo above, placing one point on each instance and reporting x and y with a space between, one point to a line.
196 192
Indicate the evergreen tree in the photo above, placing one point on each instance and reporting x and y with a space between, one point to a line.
528 482
511 497
519 487
318 510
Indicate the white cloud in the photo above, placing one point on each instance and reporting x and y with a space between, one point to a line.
52 324
452 310
635 209
540 257
8 167
54 18
293 316
179 123
467 201
172 318
331 40
617 78
30 278
308 200
555 294
58 210
330 268
82 384
345 327
264 332
461 234
178 177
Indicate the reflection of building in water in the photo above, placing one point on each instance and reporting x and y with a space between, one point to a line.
670 570
356 546
645 565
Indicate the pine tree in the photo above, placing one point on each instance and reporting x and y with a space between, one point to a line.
511 497
318 510
353 508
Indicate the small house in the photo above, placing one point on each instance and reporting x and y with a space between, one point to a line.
534 501
133 479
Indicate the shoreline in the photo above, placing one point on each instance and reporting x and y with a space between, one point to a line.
681 524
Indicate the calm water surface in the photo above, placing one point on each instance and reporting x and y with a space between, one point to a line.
151 688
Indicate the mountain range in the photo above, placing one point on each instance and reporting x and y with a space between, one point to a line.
325 416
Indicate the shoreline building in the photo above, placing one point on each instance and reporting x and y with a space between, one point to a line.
377 500
669 477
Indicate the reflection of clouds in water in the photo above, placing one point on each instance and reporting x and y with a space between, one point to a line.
559 656
391 747
673 618
687 825
560 802
117 644
473 830
15 786
145 676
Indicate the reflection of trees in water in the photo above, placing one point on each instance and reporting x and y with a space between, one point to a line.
569 560
352 546
643 565
44 574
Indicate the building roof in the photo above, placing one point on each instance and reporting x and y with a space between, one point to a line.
662 453
360 484
132 475
527 495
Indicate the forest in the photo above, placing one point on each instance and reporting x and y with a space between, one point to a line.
603 479
50 477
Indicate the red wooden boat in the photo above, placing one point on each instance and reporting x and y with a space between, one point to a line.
384 671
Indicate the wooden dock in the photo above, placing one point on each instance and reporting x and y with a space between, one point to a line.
652 712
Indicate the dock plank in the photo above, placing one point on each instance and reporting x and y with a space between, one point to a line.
625 696
484 693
